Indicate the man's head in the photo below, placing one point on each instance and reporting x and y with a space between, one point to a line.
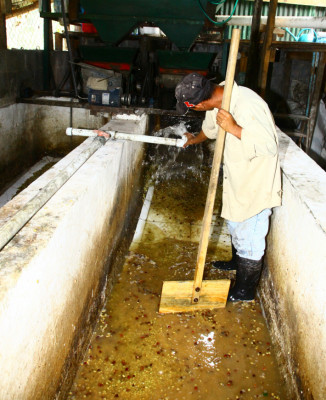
192 90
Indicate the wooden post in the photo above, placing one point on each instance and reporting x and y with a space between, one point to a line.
73 8
253 53
58 41
315 99
48 45
3 33
267 47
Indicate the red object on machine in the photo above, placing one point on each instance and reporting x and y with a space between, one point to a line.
110 65
88 28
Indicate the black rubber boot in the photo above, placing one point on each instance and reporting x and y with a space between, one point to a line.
227 265
247 279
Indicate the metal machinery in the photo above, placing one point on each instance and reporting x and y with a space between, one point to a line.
134 52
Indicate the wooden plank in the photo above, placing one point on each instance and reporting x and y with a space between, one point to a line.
177 295
292 116
292 46
267 48
299 46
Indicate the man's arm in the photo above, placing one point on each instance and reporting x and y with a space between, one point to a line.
192 139
257 136
226 121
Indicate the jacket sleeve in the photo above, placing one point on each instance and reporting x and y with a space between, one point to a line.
209 125
258 136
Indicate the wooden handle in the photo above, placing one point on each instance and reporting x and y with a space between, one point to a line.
218 153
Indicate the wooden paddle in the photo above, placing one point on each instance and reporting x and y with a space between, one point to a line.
178 296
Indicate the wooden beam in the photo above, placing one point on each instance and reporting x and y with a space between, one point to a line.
253 53
267 48
298 55
280 21
290 46
299 46
3 33
292 116
22 10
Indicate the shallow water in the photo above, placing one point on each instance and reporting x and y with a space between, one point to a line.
137 353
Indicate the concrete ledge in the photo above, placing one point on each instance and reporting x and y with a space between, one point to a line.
54 272
293 288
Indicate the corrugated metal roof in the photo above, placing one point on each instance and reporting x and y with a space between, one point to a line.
246 8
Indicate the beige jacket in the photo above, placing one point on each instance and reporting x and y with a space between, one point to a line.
252 177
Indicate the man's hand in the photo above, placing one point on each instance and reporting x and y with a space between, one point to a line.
190 139
225 120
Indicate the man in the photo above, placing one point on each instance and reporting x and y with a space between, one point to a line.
251 171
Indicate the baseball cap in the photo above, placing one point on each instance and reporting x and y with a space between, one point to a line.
193 89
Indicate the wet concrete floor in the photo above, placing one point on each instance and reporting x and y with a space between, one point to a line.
137 353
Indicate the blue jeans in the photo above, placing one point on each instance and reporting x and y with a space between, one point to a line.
248 236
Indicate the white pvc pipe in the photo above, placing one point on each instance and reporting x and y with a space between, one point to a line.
129 136
15 224
280 22
143 215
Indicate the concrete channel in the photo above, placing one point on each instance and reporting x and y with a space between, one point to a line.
56 272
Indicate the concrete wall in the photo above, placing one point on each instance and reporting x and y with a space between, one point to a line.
54 272
293 291
22 137
19 68
27 131
23 69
